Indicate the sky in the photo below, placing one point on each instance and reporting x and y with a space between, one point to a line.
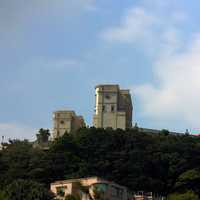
53 53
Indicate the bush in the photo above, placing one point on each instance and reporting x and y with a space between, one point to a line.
27 190
189 195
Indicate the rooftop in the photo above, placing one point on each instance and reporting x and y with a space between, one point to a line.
83 179
106 85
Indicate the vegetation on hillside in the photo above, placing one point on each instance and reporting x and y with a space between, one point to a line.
162 163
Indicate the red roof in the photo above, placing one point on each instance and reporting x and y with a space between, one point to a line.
197 135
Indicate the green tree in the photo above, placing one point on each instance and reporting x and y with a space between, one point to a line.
43 136
27 190
164 132
161 163
15 161
71 197
3 196
189 195
189 180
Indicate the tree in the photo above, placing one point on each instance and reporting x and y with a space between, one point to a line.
15 161
189 180
71 197
3 196
43 136
164 132
161 163
189 195
27 190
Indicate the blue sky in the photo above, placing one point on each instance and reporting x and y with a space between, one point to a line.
53 53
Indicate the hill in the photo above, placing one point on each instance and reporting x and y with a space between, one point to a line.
162 163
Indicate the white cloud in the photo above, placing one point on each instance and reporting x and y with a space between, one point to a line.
17 131
175 64
177 96
136 24
152 25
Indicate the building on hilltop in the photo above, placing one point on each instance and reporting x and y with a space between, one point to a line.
141 195
66 121
113 107
86 189
1 147
94 188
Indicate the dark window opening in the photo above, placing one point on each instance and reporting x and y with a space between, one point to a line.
107 96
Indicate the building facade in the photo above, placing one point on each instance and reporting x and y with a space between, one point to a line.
87 188
141 195
113 107
66 121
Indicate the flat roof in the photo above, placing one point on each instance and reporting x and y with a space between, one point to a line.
64 111
76 179
80 179
107 85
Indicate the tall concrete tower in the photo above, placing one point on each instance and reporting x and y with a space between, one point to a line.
66 121
113 107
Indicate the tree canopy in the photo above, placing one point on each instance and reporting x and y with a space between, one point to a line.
162 163
26 190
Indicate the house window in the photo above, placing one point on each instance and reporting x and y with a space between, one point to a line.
62 122
100 187
107 96
60 191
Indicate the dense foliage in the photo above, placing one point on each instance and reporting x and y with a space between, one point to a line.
189 195
27 190
162 163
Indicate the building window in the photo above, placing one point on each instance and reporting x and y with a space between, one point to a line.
112 108
100 187
62 122
60 191
103 108
107 96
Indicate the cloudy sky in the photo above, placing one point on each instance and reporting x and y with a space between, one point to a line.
53 53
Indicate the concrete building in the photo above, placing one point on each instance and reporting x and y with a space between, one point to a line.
113 107
141 195
86 188
66 121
